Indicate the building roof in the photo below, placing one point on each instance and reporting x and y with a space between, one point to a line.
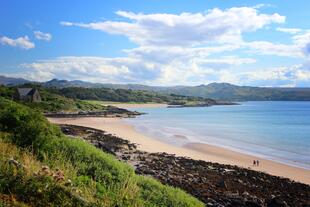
26 91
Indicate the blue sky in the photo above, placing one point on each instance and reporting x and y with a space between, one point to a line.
157 42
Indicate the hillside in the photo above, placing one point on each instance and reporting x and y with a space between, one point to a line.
12 81
217 91
123 95
225 91
62 171
53 103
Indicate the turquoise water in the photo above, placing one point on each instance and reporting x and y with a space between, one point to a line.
274 130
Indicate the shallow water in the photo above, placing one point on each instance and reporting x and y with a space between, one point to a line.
274 130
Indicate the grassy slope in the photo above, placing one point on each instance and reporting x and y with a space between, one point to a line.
52 102
121 95
98 179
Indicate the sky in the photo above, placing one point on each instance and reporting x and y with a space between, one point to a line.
157 42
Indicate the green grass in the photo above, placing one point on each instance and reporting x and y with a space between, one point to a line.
98 179
52 102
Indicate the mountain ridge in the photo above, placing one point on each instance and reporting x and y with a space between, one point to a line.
218 91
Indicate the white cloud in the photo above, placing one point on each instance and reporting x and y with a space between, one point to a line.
289 30
21 42
258 6
95 69
269 48
280 76
64 23
42 36
299 48
169 54
186 29
189 48
131 69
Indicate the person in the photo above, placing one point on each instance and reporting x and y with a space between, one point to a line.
257 162
254 162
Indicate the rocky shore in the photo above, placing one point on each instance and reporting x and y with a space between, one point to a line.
199 104
110 111
213 183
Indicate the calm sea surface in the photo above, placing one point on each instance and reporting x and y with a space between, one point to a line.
274 130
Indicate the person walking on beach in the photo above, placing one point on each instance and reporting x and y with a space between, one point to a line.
254 162
257 162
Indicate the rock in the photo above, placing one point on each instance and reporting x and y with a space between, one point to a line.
222 184
252 204
240 181
276 202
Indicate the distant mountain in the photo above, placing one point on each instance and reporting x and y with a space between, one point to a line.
75 83
218 91
226 91
7 81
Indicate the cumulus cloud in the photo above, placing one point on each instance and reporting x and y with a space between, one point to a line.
269 48
299 48
21 42
295 75
131 69
97 69
185 29
289 30
186 48
42 36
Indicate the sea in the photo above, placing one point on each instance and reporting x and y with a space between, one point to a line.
275 130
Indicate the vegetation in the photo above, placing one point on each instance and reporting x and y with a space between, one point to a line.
120 95
217 91
97 99
39 166
52 102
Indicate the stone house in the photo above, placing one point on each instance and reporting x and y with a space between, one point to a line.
28 94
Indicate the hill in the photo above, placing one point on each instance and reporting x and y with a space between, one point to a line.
55 104
218 91
124 95
62 171
12 81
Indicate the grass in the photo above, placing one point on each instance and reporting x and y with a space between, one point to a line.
52 102
96 178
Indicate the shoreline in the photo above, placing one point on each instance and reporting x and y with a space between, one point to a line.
195 151
137 105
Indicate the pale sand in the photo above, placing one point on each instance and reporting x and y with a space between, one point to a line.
138 105
196 151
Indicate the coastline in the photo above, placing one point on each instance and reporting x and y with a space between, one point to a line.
138 105
194 150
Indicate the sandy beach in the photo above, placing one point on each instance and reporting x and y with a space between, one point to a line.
196 151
